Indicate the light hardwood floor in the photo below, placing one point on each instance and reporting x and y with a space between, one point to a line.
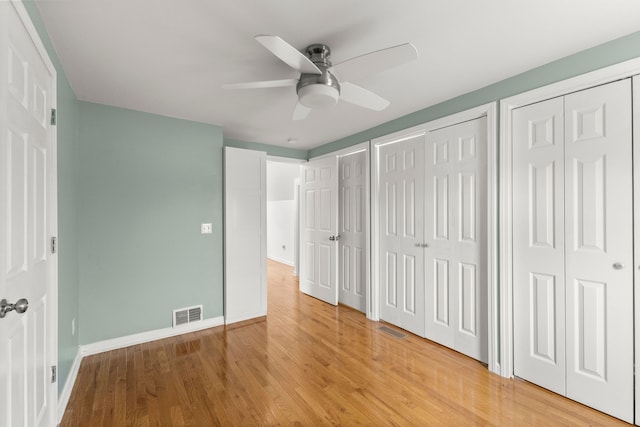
308 363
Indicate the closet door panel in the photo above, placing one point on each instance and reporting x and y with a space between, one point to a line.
469 216
401 210
538 244
599 249
441 269
456 309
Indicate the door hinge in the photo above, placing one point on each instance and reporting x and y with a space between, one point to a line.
54 247
53 374
54 117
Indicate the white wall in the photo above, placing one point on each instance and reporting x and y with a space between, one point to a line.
281 210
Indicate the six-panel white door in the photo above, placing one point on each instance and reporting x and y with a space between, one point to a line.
319 226
27 202
599 248
352 211
401 232
456 224
573 247
538 244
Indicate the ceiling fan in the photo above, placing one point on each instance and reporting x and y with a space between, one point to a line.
321 84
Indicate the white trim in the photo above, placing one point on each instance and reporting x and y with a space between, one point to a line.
35 37
279 159
493 305
122 342
344 151
370 299
595 78
143 337
65 395
296 226
635 84
280 260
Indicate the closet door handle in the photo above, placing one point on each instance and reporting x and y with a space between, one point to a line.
617 266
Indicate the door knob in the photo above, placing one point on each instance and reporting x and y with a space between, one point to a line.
20 307
334 238
618 266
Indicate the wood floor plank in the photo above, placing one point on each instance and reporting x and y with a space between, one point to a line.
306 363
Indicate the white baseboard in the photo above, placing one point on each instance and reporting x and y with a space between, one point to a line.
121 342
63 397
281 260
158 334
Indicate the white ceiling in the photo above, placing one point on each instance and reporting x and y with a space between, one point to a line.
170 57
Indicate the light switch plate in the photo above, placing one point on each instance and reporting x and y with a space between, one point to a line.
206 228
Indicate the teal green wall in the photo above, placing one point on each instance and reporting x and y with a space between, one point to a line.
603 55
271 150
147 182
67 138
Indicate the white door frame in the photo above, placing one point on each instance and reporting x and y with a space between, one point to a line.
635 86
488 111
52 207
507 105
296 200
363 146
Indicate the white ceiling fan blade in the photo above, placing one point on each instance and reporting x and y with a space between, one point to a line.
301 112
288 54
357 95
374 62
262 84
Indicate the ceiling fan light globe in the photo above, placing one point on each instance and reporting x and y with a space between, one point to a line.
318 96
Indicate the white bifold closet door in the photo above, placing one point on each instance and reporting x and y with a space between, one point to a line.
573 247
456 224
401 232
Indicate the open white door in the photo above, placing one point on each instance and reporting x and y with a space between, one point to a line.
27 222
318 229
245 237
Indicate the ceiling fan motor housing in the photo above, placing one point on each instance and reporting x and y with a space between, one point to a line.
318 90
